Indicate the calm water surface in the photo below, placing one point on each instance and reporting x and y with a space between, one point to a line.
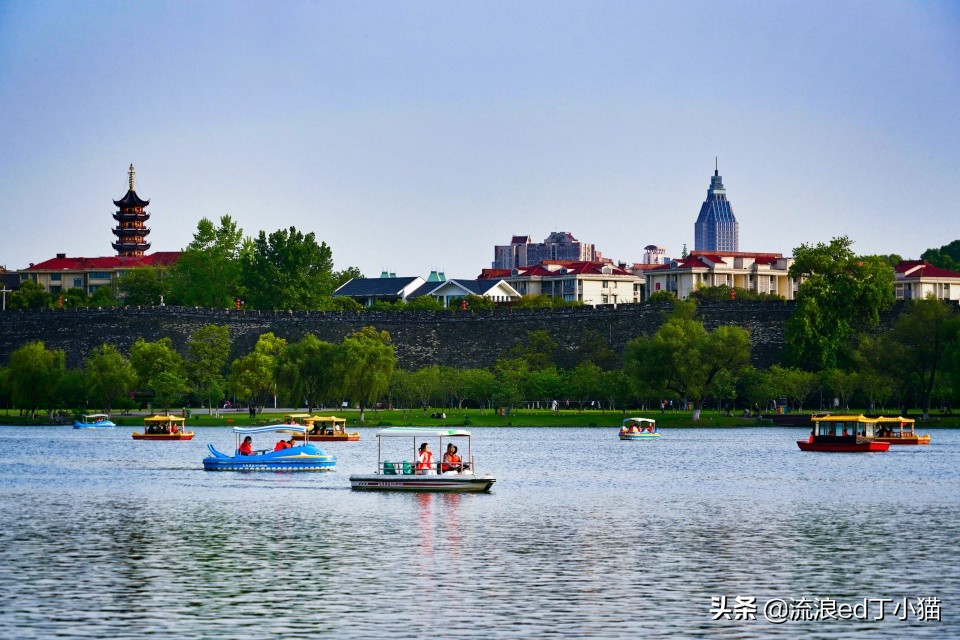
582 536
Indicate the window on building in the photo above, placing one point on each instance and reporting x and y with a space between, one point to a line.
55 277
100 275
78 282
24 277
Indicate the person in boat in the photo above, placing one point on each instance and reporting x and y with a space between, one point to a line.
451 461
246 447
281 445
425 460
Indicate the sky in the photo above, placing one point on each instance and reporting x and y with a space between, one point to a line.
412 136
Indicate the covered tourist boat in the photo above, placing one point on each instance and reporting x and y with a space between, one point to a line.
417 470
639 429
163 428
899 430
843 434
94 421
328 429
295 457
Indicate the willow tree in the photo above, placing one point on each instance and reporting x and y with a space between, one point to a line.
253 377
684 358
110 374
364 362
306 371
34 372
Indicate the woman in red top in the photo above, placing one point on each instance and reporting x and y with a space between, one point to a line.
246 447
451 461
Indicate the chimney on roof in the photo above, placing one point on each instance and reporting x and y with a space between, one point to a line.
61 255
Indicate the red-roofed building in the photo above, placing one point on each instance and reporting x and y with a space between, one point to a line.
916 279
589 282
62 273
759 272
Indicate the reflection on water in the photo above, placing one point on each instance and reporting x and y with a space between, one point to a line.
583 536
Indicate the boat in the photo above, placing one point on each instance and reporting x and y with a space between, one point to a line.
843 434
163 428
94 421
407 475
328 429
296 418
899 430
300 457
639 429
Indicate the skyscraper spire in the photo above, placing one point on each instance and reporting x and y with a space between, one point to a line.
716 228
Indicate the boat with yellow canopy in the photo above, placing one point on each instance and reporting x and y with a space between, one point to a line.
899 430
163 428
327 429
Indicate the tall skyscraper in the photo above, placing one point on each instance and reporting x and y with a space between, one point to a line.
716 228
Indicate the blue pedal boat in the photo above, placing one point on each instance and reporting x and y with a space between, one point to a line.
94 421
301 457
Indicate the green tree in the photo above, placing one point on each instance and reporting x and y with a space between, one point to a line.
207 274
400 390
946 257
144 286
207 353
34 373
842 384
30 295
538 350
102 297
307 371
160 369
365 361
287 270
593 346
584 383
684 358
477 303
662 297
479 386
421 303
877 363
73 389
796 385
110 375
253 377
511 377
545 385
840 293
926 330
425 385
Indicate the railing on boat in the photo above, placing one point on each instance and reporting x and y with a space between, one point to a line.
408 468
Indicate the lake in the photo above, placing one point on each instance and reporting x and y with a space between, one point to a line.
582 536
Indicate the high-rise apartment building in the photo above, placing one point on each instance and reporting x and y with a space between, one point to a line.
559 245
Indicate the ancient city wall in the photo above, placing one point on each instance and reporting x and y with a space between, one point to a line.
421 338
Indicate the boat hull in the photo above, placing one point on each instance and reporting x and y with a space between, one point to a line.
103 424
163 436
303 458
906 440
852 447
346 437
441 483
639 436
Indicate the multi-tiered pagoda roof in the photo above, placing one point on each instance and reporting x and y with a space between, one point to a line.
131 229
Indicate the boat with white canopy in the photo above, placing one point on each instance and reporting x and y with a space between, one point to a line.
411 466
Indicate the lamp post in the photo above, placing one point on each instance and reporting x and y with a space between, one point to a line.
5 291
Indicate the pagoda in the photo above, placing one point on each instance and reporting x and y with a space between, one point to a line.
131 218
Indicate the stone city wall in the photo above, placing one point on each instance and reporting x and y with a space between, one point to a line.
421 338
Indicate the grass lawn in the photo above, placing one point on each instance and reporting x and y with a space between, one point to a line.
471 418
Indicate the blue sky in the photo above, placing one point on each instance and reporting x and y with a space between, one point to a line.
417 135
